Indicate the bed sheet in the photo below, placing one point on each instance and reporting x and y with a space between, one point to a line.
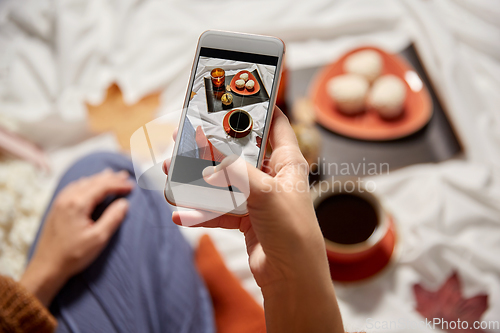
57 55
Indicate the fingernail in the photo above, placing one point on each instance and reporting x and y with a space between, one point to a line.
208 171
123 174
174 215
122 203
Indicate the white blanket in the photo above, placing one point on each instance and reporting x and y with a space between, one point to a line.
55 55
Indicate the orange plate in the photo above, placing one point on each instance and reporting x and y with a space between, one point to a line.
369 125
244 91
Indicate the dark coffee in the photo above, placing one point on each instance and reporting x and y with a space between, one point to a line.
239 121
346 218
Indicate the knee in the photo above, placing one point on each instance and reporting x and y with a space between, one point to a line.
104 158
96 162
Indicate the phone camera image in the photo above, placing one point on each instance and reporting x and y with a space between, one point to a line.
226 113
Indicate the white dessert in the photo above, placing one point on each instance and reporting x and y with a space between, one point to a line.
367 63
387 96
250 84
240 84
244 76
349 92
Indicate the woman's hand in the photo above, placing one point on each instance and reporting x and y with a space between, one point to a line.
70 239
286 249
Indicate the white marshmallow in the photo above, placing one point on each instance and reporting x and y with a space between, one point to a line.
348 91
250 84
367 63
387 96
239 84
244 77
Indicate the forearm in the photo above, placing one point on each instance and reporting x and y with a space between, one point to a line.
302 309
42 282
304 303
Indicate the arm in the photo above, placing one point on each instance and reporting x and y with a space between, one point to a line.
312 307
70 239
308 297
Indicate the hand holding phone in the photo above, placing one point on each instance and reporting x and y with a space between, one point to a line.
215 168
286 249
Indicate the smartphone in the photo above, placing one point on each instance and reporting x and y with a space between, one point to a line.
227 110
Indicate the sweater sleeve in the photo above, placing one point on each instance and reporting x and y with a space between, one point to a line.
21 312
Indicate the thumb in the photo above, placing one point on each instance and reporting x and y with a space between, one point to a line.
235 171
111 219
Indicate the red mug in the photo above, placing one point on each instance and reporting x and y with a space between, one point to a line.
356 248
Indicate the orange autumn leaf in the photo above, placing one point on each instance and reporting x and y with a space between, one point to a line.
114 115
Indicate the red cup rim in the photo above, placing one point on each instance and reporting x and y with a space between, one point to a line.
371 266
231 131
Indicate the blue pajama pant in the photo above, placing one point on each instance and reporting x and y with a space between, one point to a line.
145 280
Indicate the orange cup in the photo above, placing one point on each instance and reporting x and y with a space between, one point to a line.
218 76
358 232
237 123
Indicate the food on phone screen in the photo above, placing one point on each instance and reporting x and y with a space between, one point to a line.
240 84
244 76
250 84
227 99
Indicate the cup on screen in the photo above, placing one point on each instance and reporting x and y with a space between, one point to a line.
238 123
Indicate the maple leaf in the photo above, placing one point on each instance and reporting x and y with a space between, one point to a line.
448 304
123 119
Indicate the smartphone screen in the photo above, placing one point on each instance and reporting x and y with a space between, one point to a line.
226 114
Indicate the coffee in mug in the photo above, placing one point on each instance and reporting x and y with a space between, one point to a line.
238 123
346 218
358 232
